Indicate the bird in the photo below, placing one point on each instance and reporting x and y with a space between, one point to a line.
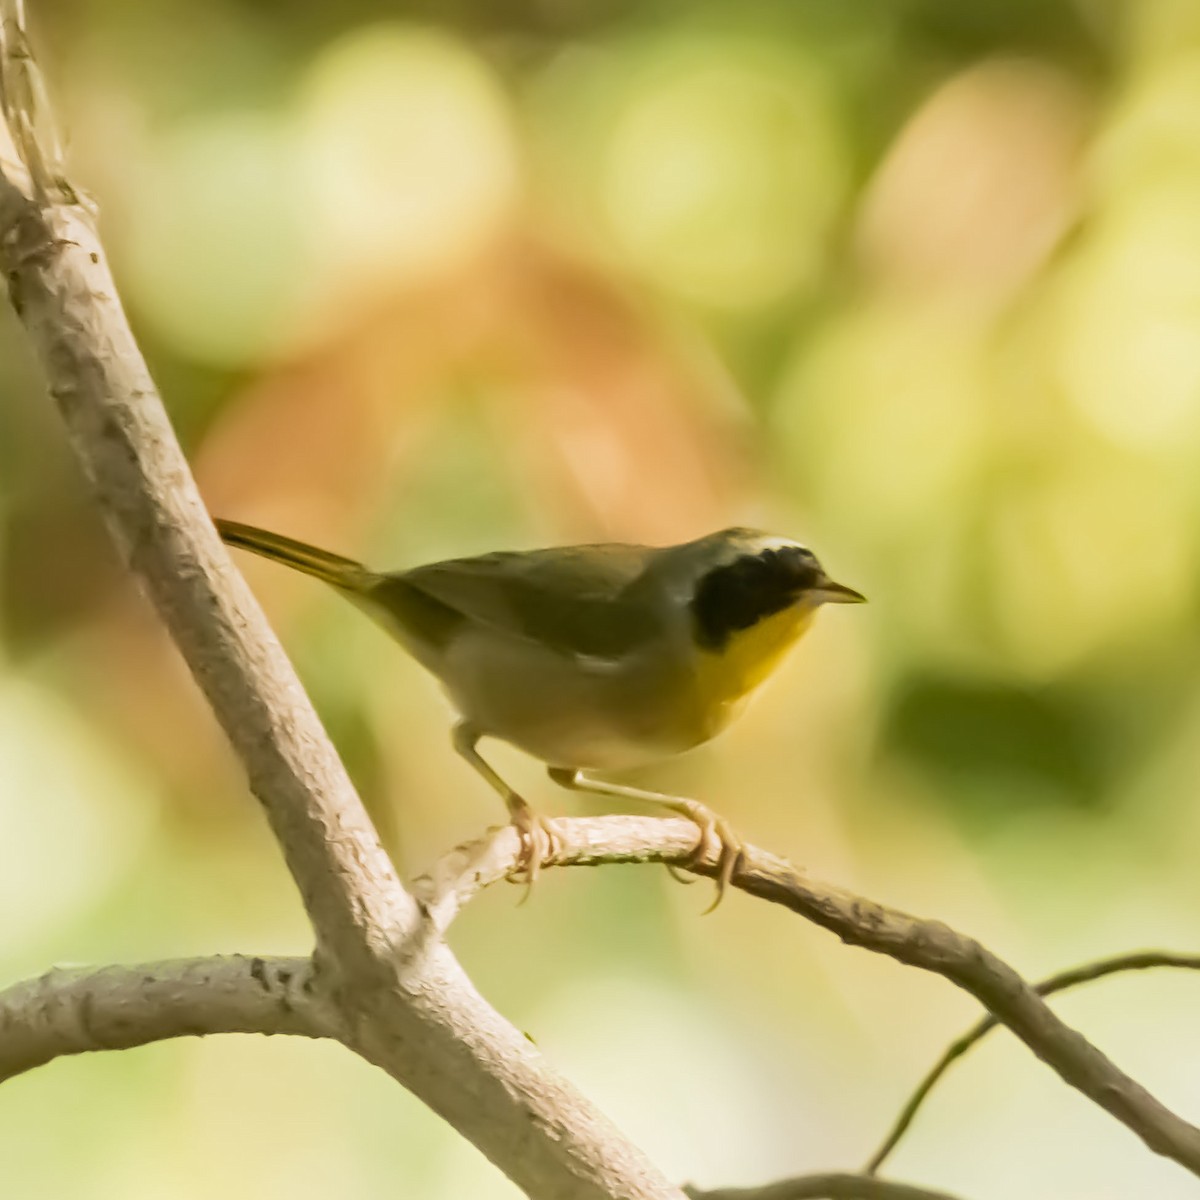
590 658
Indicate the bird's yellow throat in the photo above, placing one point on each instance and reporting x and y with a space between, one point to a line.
750 655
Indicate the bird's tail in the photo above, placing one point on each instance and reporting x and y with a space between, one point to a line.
343 573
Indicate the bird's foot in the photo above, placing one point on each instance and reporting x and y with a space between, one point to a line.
539 843
729 847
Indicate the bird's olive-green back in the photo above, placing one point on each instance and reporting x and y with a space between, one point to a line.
562 598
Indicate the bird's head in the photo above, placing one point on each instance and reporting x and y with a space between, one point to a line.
739 578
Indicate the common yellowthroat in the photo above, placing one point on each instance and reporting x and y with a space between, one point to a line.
590 657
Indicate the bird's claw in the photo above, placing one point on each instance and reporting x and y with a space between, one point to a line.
539 844
729 847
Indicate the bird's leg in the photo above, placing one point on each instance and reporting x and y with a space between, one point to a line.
712 827
539 841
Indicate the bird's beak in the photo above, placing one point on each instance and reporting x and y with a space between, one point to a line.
828 592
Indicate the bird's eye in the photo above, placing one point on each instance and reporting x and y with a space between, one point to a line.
798 566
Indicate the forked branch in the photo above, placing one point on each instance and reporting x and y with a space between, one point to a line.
929 945
1141 961
383 980
70 1012
412 1010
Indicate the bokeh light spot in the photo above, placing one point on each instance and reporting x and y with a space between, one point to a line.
213 273
1083 558
73 815
722 175
409 155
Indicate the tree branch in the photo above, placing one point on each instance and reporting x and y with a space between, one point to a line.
929 945
62 290
405 1002
67 1012
1141 961
832 1186
382 980
73 1011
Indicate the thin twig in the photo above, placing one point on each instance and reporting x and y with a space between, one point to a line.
1141 961
929 945
833 1185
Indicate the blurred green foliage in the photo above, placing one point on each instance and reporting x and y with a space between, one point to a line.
918 282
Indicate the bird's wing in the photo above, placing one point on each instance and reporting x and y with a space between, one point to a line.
562 598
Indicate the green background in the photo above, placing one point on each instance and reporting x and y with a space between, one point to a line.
916 282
